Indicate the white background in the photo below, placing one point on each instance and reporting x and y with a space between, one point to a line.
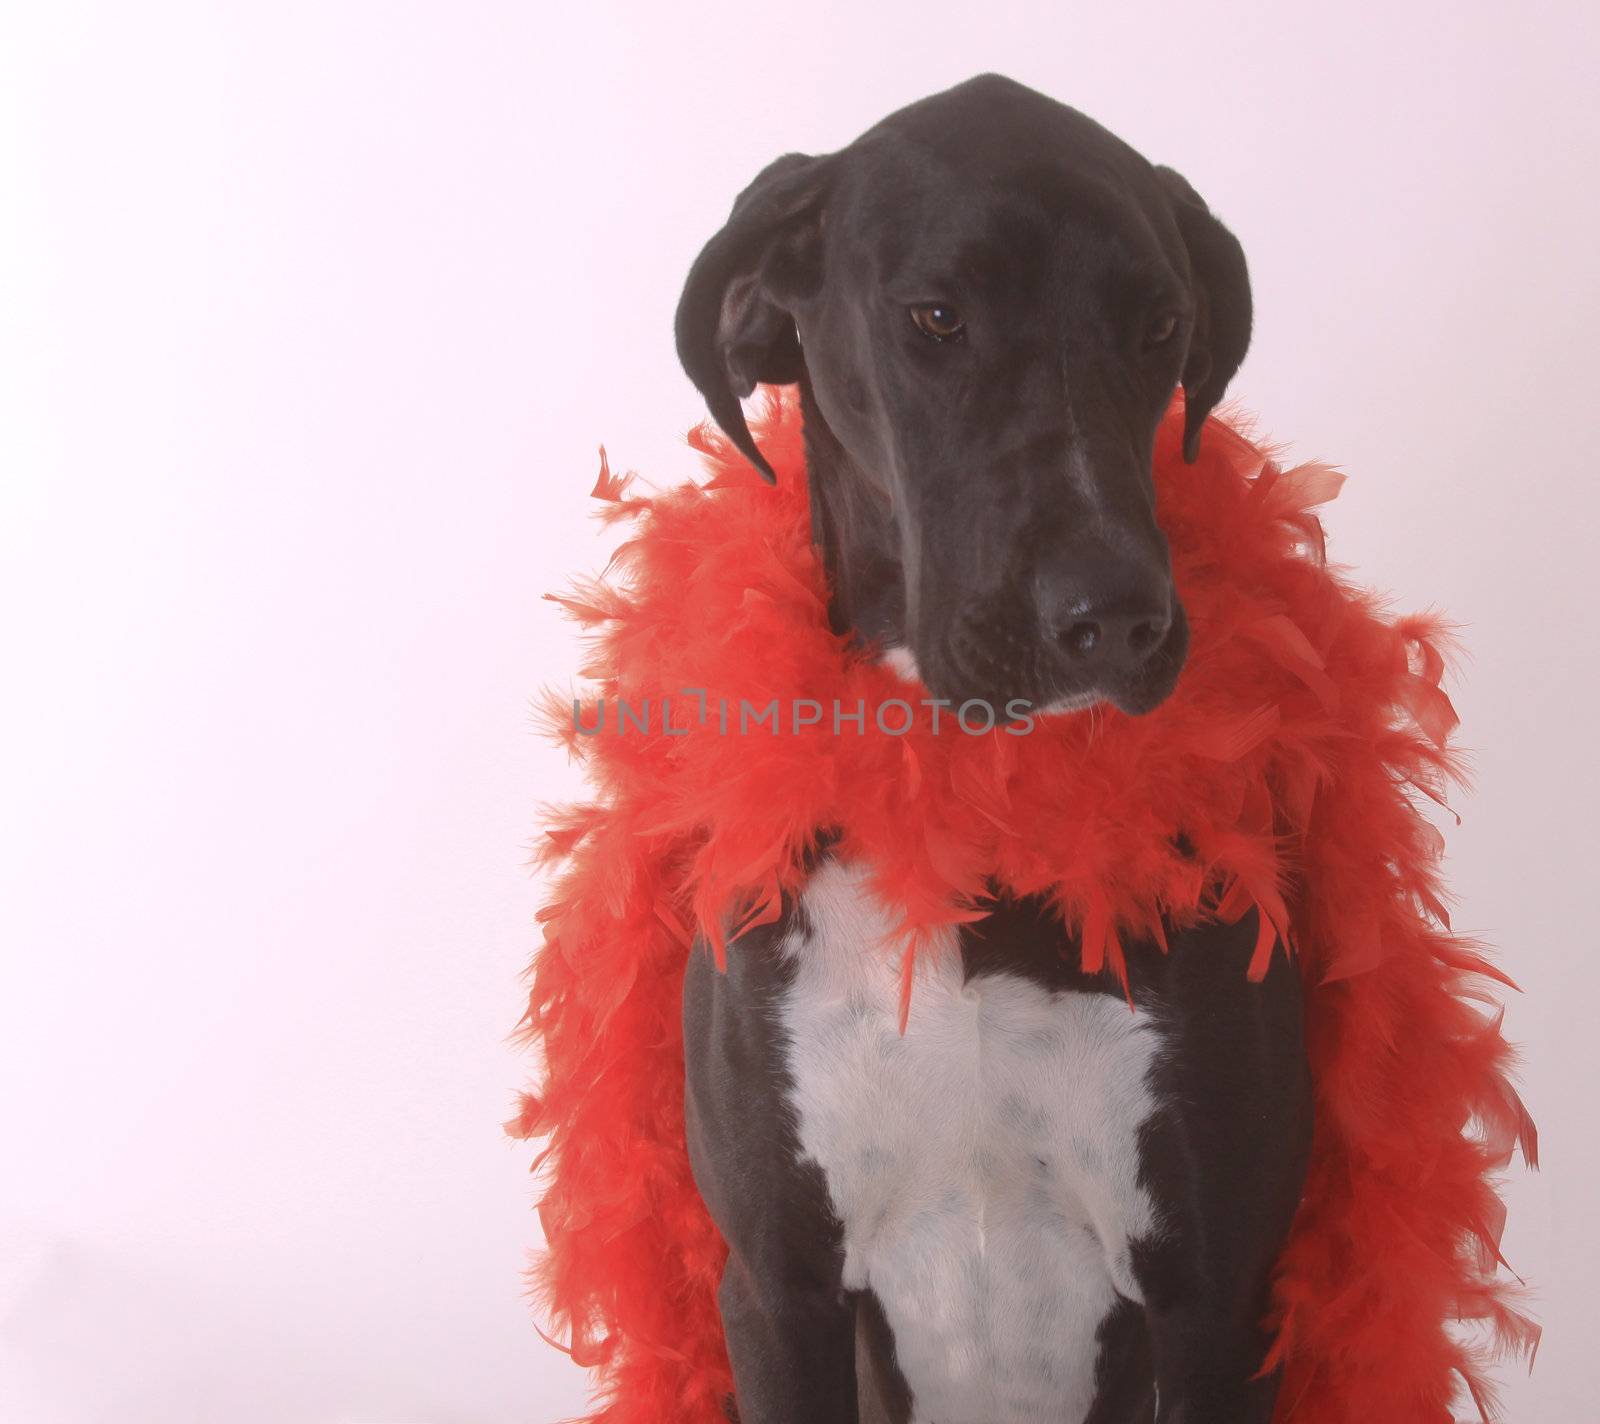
311 318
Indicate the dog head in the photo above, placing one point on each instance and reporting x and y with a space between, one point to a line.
988 300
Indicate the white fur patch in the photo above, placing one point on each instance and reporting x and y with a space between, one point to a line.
984 1166
1077 702
902 662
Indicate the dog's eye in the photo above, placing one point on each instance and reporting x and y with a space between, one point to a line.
942 323
1161 330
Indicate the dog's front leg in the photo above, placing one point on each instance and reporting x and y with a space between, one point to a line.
790 1326
1226 1158
1206 1342
1221 1393
792 1347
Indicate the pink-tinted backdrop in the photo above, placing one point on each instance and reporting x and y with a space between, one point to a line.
311 318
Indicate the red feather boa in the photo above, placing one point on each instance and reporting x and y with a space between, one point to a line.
1289 760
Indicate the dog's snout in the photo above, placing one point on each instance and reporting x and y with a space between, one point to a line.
1106 613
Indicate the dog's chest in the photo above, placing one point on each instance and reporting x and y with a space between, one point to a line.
984 1166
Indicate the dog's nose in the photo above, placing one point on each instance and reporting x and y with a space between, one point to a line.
1107 613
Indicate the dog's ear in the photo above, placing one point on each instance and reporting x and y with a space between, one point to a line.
1221 333
735 323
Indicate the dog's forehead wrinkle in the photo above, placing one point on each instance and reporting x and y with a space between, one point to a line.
940 236
930 224
1041 288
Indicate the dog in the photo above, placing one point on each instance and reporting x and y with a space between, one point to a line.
1031 1207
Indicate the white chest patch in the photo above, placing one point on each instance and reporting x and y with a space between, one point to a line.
984 1166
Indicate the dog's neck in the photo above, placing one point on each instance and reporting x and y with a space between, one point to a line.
853 528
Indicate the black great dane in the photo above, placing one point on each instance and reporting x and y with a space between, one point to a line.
987 301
